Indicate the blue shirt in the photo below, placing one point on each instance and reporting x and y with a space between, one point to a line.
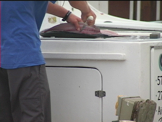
19 35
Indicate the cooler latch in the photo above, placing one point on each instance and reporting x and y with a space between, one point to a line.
100 93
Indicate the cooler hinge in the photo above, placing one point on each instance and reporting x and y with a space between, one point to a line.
100 93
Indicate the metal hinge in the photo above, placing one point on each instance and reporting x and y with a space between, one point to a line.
100 93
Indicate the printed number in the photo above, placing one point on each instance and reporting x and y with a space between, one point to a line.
159 95
159 79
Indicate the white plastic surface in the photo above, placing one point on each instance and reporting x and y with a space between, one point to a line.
73 94
86 56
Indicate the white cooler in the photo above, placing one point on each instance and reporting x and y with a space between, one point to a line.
87 75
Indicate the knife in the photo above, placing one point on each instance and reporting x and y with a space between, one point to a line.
85 24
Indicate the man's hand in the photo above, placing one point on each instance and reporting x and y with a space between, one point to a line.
85 11
85 16
74 20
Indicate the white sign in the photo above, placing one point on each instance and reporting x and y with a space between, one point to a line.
156 81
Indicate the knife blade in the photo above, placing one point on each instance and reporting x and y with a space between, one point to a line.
83 27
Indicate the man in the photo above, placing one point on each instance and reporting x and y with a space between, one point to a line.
24 89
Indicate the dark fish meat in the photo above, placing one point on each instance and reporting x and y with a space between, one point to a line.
68 30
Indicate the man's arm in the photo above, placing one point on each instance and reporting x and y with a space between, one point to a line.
56 9
60 11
